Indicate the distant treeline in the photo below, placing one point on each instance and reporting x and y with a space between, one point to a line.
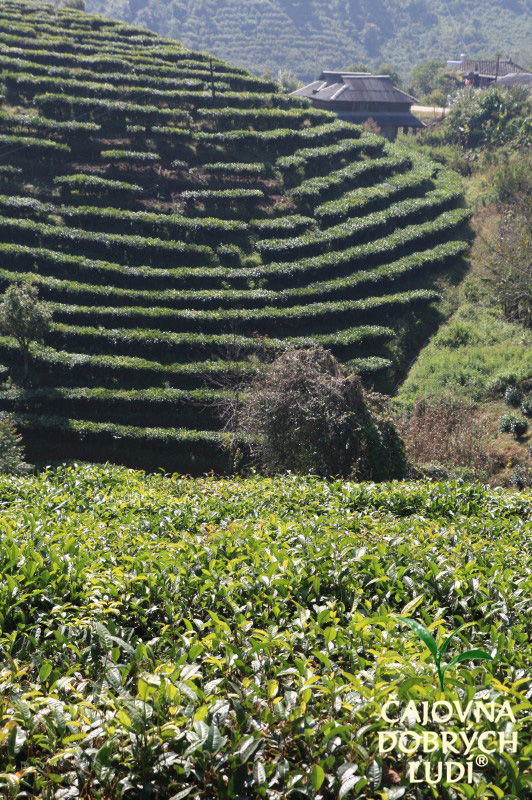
305 36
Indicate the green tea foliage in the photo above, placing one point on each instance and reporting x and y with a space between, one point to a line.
203 638
526 407
511 423
92 184
513 396
296 38
489 118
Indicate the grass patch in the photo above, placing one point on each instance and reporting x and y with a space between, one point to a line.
471 357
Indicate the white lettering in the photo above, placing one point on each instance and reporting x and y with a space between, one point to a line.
403 742
449 739
503 741
506 711
449 767
412 772
481 739
384 712
468 741
482 709
448 709
383 735
463 713
431 741
411 711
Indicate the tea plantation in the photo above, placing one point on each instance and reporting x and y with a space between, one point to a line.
180 214
177 637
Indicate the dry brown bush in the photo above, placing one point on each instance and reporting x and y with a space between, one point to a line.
445 432
308 414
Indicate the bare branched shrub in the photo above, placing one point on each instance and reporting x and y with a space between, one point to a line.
506 253
372 126
510 265
11 449
307 414
444 432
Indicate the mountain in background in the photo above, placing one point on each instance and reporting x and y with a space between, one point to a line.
305 36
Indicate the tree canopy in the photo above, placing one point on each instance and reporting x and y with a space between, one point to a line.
306 36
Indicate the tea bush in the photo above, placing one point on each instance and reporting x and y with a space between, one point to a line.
172 637
510 423
526 407
512 396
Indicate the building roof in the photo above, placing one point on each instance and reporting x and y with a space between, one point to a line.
384 119
488 68
516 79
354 87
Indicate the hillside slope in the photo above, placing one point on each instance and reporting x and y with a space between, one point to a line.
178 221
308 35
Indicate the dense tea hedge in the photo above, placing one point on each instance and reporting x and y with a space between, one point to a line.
267 320
184 218
371 225
112 114
24 147
92 184
135 249
321 160
208 637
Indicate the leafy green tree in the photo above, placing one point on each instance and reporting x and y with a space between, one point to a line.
24 317
372 38
432 82
389 69
490 117
436 98
427 77
358 67
287 80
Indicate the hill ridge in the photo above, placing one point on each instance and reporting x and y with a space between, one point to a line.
306 36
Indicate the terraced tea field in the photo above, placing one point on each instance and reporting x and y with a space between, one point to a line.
180 214
170 638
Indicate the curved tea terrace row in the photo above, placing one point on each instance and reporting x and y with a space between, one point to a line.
181 215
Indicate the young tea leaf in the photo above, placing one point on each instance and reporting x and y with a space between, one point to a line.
469 654
423 634
447 642
317 776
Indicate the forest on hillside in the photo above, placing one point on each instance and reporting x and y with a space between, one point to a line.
304 36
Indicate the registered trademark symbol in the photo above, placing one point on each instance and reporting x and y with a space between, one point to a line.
481 761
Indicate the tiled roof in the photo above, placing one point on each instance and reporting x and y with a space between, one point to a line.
353 87
489 67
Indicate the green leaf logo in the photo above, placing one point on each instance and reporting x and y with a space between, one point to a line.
437 655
